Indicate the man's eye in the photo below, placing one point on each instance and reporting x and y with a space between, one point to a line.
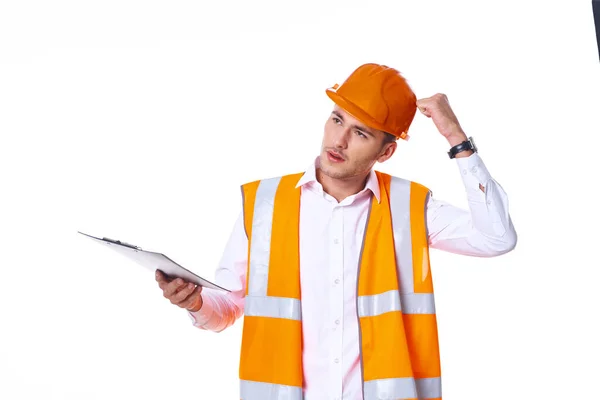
362 135
336 120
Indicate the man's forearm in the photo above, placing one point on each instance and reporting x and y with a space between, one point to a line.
457 137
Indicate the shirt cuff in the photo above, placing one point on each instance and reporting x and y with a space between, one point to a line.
473 171
201 317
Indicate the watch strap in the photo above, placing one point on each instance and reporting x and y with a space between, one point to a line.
464 146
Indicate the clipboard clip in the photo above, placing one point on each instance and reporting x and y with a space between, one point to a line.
121 243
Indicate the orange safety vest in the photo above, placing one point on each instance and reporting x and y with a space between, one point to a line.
395 302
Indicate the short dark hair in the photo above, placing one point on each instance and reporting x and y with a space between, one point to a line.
389 138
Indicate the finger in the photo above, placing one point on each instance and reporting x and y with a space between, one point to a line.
183 293
193 301
423 100
160 277
425 111
172 287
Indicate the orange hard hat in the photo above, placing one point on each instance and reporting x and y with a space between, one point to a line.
378 96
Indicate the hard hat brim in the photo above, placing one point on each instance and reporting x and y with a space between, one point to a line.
360 114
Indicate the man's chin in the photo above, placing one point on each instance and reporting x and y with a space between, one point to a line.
333 171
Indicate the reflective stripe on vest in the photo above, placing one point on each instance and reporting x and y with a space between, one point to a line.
395 303
260 245
259 390
409 303
403 388
272 307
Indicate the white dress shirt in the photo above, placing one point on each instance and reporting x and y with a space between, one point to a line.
331 234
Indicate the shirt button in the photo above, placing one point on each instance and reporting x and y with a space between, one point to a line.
337 360
489 202
336 241
464 171
337 281
474 169
337 321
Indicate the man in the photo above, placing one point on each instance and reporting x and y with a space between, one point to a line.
331 267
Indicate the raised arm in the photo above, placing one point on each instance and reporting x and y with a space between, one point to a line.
485 229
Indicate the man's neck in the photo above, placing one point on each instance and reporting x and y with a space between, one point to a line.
339 189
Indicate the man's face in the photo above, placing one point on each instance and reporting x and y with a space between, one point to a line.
350 148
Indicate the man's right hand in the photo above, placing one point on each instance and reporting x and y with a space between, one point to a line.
180 292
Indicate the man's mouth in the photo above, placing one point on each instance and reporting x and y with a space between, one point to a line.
334 157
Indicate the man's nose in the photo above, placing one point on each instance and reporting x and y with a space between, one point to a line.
341 139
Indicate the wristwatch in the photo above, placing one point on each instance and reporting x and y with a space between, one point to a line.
468 144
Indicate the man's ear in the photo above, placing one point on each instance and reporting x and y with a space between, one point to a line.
388 150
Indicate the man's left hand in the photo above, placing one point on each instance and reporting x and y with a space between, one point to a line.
438 109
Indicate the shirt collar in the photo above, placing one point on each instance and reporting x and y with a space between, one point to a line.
310 177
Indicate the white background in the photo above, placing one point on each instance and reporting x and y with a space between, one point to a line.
138 120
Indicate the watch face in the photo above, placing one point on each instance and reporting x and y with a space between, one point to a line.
473 144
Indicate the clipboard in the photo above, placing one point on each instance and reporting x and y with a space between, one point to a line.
153 261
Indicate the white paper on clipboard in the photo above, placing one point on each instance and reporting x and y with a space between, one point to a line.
153 261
